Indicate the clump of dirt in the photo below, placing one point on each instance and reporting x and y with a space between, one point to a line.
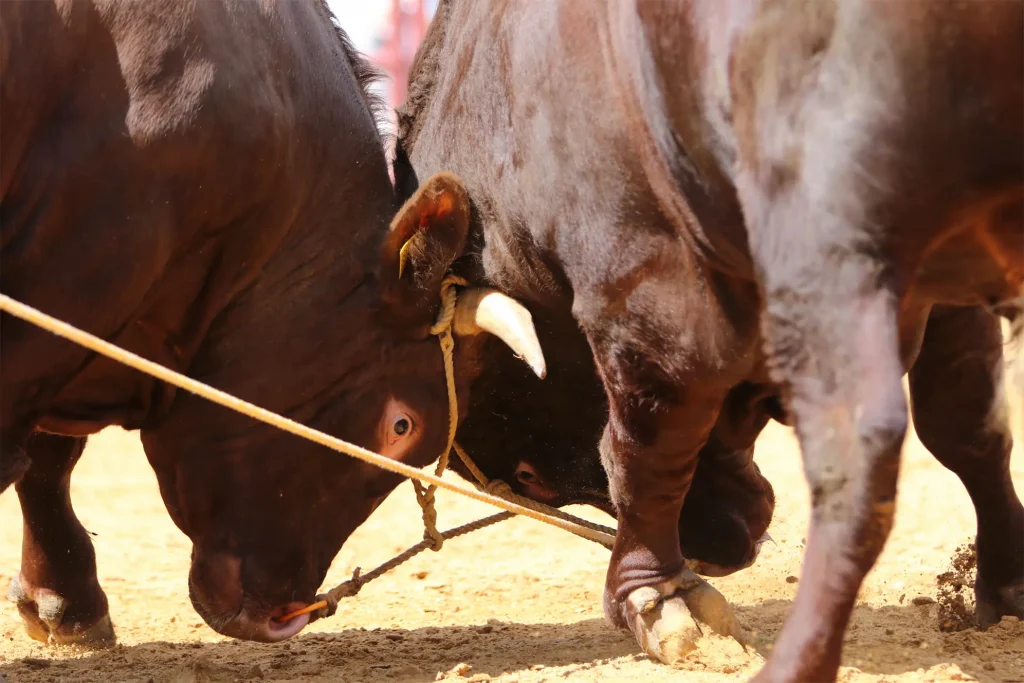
723 655
956 594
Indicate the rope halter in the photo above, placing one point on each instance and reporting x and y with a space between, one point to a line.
495 492
443 330
326 604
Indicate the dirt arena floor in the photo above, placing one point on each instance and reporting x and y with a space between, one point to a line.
518 602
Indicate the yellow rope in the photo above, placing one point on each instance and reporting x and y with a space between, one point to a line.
495 492
327 603
105 348
497 487
443 329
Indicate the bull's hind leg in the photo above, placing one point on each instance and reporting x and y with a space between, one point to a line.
818 125
961 417
832 339
57 592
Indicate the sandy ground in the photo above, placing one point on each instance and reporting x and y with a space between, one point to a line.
517 602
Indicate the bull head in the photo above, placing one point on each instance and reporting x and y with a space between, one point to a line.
425 238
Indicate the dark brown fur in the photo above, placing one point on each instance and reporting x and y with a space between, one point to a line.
667 172
554 426
203 183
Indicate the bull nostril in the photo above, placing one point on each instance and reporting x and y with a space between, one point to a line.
261 626
216 583
525 473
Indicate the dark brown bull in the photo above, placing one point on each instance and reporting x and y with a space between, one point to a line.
669 171
541 436
204 185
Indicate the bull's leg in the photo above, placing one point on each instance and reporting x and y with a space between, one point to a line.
819 129
961 416
57 592
831 331
649 450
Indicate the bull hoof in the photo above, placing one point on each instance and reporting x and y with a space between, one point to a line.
1009 602
44 614
668 619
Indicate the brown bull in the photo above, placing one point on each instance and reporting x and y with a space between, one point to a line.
809 197
541 436
203 184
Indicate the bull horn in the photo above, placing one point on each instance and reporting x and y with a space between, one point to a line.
488 310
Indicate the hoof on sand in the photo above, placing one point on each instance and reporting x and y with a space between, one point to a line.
668 619
1009 603
43 613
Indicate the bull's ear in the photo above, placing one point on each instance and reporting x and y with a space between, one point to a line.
426 236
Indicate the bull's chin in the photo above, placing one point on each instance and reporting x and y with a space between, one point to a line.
701 567
718 570
265 630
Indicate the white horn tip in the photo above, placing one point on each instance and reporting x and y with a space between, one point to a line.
483 309
536 362
538 366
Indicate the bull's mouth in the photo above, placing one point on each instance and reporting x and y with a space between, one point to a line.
718 570
593 498
249 622
710 569
264 629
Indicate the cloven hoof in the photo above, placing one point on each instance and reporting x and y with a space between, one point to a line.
668 619
43 616
1009 602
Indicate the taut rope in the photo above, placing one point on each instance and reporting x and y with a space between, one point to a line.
496 492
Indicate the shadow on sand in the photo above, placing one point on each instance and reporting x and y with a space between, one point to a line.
887 640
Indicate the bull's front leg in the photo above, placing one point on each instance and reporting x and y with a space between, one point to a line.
57 592
649 449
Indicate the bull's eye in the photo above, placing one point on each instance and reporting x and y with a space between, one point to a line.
398 430
401 428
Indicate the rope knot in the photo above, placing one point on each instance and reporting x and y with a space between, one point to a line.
447 341
496 487
425 497
343 590
442 328
449 298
